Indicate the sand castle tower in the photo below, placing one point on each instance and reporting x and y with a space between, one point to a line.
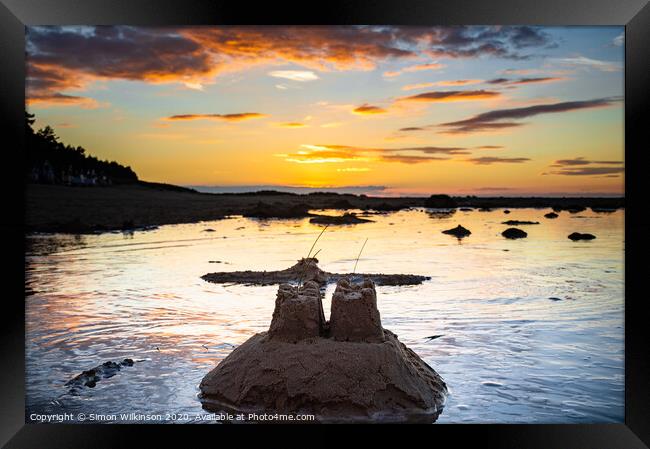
348 369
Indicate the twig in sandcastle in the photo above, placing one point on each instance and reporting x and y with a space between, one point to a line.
357 261
304 270
316 241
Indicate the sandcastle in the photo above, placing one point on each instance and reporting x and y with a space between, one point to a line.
347 369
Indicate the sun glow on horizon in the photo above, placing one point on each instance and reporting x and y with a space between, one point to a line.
505 110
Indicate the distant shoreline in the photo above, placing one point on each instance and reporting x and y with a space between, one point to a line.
82 210
385 192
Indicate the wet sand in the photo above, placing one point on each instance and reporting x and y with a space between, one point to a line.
51 208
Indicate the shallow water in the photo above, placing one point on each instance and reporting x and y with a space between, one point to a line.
508 352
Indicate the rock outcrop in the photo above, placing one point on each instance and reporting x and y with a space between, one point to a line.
440 201
578 236
458 232
345 219
519 222
349 369
514 233
551 215
89 378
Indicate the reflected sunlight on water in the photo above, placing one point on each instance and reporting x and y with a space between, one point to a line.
532 329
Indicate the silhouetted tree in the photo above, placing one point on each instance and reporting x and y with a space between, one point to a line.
51 161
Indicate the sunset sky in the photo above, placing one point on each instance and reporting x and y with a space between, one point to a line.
393 110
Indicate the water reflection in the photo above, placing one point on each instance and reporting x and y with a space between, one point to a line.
508 352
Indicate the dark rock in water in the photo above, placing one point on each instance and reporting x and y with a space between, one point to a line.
345 219
433 337
551 215
514 233
603 210
506 211
438 214
349 369
307 270
578 236
519 222
571 208
552 298
576 209
208 230
341 204
440 202
385 207
458 232
277 210
89 378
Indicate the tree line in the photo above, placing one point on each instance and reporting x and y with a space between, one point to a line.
50 161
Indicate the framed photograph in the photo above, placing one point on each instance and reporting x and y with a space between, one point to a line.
354 213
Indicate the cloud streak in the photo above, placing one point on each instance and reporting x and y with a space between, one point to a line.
580 166
414 68
502 118
529 80
367 109
291 125
588 63
582 161
312 154
489 160
588 171
225 117
452 95
295 75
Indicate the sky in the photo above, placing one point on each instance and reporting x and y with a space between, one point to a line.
385 110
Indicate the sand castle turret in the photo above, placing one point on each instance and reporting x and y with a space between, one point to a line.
354 315
349 369
298 313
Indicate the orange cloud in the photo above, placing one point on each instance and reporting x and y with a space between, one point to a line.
489 160
420 67
458 82
410 159
227 117
418 86
312 154
366 109
353 169
291 125
194 56
414 68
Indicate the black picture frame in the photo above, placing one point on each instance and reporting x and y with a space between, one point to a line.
633 14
